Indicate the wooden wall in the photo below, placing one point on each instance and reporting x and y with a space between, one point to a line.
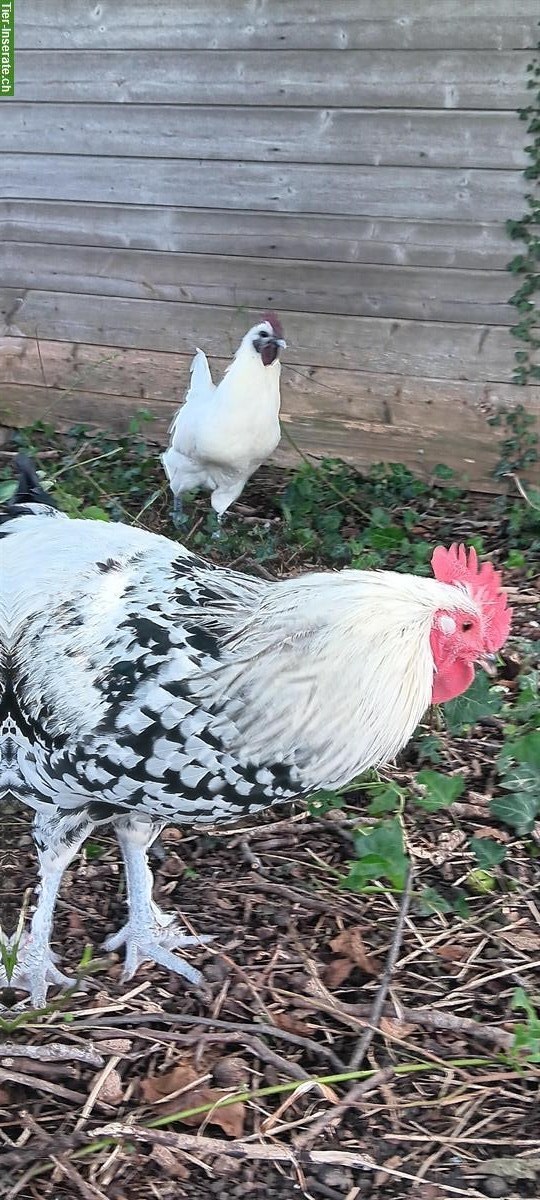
169 170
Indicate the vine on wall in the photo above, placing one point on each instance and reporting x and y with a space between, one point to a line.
526 266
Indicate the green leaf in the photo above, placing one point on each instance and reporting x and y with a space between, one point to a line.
94 850
441 790
525 750
380 856
386 798
487 852
526 1036
517 809
522 778
323 802
94 513
430 901
429 748
479 701
7 490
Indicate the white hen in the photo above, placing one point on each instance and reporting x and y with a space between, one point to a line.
222 434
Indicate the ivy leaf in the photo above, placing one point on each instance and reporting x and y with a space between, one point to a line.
430 901
487 852
324 801
524 750
517 809
522 778
441 790
380 856
385 799
479 701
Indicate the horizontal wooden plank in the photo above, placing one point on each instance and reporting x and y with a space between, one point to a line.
361 417
358 441
158 375
412 192
379 138
358 79
457 351
263 235
352 289
278 24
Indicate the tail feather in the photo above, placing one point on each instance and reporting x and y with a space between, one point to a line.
201 375
29 489
30 498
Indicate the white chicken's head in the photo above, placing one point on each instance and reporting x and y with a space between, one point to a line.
266 339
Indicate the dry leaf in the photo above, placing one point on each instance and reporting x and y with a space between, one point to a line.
350 944
115 1045
293 1024
111 1090
395 1028
522 940
169 1162
452 953
508 1168
486 831
337 972
230 1118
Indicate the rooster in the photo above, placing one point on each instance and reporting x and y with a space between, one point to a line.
223 433
143 685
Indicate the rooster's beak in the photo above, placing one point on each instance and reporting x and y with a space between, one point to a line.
488 662
281 343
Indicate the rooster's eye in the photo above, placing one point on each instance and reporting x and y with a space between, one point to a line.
263 333
466 626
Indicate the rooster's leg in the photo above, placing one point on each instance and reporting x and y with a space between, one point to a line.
148 933
58 840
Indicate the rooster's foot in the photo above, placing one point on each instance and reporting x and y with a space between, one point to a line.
153 939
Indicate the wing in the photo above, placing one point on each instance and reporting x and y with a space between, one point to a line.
104 661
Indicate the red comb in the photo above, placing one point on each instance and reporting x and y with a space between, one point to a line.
483 584
275 322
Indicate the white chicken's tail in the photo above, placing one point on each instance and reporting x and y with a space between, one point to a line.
201 375
183 471
201 386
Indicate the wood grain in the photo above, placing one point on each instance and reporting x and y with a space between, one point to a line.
277 24
401 137
412 192
445 351
354 440
415 293
440 79
385 240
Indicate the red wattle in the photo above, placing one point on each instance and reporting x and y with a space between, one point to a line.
451 681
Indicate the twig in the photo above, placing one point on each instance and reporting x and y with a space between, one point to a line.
332 1116
113 1023
40 1085
524 495
53 1052
382 992
256 1151
88 1191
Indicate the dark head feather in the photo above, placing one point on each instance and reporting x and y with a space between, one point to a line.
275 322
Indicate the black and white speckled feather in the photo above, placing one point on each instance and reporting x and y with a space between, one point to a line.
139 677
141 685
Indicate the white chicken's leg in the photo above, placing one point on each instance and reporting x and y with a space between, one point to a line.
57 841
178 516
148 933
